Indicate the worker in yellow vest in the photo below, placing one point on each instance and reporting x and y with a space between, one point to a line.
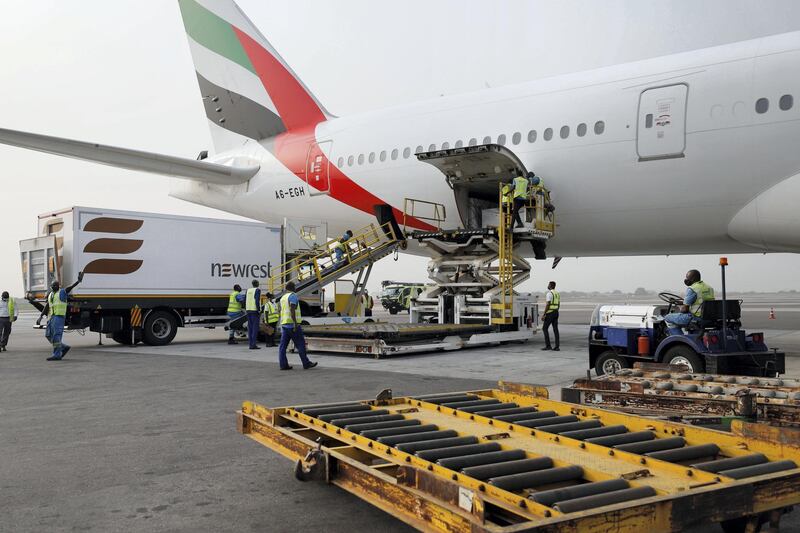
252 306
340 247
550 316
56 311
291 329
271 317
697 292
8 314
506 199
235 312
520 195
369 303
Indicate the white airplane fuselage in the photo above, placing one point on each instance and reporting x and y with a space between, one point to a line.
704 173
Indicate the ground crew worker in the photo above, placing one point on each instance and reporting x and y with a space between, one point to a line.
520 195
8 314
271 317
252 306
56 310
550 316
291 329
340 247
235 312
369 303
698 291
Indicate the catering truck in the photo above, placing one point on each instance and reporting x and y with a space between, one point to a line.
146 274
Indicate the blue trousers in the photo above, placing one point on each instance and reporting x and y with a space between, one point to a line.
290 333
253 322
233 316
54 333
675 321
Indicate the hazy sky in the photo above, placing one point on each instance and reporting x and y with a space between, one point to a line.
119 72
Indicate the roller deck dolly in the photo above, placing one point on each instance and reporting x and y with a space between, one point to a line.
510 459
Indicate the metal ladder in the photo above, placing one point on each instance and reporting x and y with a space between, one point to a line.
319 268
502 309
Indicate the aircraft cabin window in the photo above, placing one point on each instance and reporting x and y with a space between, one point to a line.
548 134
473 142
599 127
581 129
501 139
786 102
360 159
762 105
383 155
532 136
340 162
432 148
648 120
394 154
487 140
564 132
372 157
406 152
419 150
459 143
445 146
350 161
516 138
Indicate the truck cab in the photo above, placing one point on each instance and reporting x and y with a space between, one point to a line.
715 342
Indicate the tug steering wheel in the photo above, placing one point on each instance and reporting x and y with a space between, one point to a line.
671 298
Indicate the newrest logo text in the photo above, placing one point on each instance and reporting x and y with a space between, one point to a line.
227 270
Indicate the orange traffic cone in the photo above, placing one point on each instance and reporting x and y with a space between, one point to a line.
772 313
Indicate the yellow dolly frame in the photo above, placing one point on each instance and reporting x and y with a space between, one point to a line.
511 460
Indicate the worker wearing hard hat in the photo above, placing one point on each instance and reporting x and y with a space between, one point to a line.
8 314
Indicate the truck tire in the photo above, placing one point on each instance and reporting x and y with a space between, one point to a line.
392 311
683 355
159 328
610 362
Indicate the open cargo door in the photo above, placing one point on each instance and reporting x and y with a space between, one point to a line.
474 173
40 265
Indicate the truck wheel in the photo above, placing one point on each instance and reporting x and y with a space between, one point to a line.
683 355
392 311
610 362
159 328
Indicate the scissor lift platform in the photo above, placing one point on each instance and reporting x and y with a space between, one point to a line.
511 460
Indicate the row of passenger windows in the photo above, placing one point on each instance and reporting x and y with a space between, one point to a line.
516 138
785 103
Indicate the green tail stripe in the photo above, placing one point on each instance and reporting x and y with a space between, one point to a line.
213 32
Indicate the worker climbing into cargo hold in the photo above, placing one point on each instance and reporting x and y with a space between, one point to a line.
550 316
234 312
56 310
252 306
698 291
8 315
291 329
271 317
520 186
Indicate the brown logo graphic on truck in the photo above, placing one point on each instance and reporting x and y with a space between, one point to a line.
107 245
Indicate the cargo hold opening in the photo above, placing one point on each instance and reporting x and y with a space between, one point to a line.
474 173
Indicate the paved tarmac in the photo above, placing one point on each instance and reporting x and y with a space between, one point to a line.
115 438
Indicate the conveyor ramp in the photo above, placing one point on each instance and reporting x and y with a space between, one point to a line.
509 459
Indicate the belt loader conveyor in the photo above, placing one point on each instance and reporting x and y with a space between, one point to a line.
668 391
510 460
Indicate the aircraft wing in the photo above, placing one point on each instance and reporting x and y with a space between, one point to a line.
131 159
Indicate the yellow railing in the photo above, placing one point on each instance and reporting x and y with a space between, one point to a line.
544 218
321 263
502 312
435 213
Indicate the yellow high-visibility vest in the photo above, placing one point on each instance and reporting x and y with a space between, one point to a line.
271 313
520 188
286 310
250 302
58 307
233 304
555 303
704 293
506 194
